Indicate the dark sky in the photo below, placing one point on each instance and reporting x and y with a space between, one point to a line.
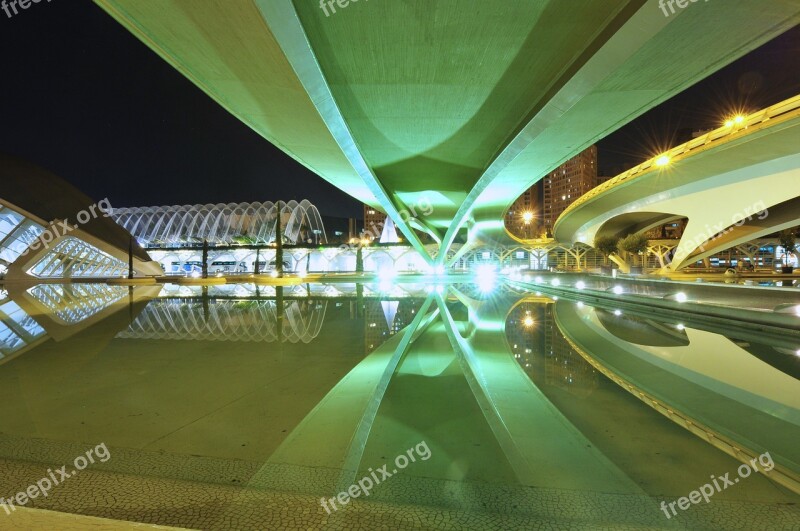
83 98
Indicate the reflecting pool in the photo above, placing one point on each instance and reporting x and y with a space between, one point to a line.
361 406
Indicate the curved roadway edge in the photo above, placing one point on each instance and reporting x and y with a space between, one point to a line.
693 406
747 173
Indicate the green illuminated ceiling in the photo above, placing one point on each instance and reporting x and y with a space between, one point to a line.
464 103
432 91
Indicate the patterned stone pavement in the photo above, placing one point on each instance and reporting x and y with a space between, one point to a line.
208 493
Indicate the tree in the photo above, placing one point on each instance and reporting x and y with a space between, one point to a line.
788 240
634 244
606 245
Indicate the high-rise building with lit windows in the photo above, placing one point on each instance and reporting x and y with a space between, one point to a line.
567 183
374 220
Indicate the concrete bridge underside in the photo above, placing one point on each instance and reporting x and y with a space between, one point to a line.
460 103
733 189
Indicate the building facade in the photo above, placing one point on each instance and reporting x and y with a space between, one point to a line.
568 182
524 218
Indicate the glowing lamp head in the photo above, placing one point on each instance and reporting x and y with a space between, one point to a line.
580 284
485 278
738 119
528 321
274 273
662 161
617 290
681 297
527 217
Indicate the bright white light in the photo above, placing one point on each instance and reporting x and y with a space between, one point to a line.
274 273
739 119
195 274
798 352
617 312
438 269
527 217
555 298
580 284
681 297
579 304
385 286
386 274
301 274
538 280
486 277
528 321
555 282
680 326
663 160
797 310
617 290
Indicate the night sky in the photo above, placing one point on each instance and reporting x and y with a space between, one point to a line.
83 98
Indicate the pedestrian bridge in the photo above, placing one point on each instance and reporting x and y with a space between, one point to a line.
457 104
735 184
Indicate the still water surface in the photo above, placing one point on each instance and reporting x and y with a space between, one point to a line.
242 406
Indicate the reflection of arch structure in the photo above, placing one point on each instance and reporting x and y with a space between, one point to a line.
223 223
228 320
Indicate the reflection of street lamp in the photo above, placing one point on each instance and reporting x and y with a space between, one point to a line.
527 217
528 321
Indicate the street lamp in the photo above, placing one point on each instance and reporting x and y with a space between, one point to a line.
527 217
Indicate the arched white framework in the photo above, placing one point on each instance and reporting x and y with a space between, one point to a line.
223 223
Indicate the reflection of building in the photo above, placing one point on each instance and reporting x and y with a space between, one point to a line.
524 334
563 366
567 183
524 217
228 320
383 319
541 350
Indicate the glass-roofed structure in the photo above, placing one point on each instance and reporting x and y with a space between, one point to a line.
49 229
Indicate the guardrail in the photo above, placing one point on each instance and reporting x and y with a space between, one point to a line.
786 109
